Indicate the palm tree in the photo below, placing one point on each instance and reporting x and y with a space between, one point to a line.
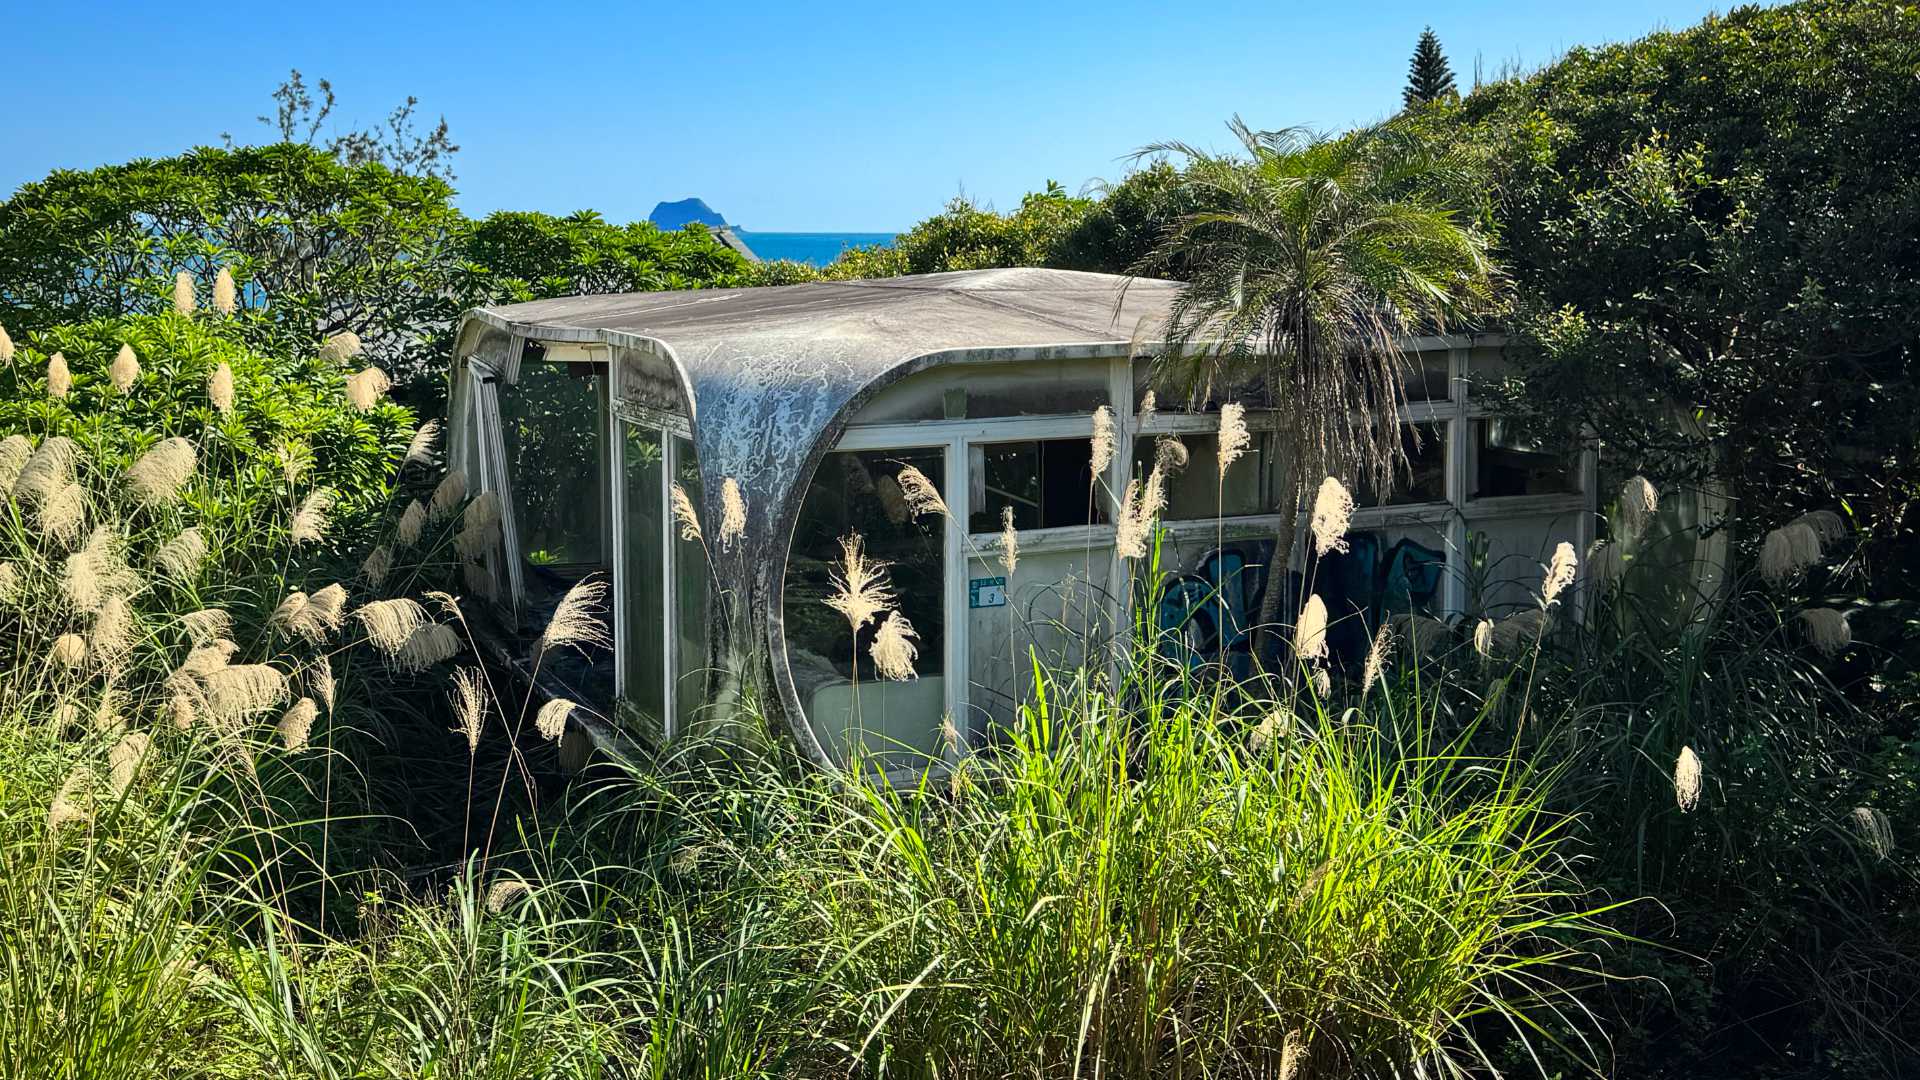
1312 256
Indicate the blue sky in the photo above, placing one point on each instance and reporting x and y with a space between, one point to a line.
783 116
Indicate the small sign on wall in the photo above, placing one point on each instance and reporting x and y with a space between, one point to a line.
987 592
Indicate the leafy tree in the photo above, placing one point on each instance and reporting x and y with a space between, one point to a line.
524 255
299 115
1429 77
966 236
1127 223
1313 257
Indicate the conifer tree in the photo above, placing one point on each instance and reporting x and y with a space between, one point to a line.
1429 78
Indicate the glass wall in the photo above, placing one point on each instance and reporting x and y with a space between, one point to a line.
643 534
1048 482
692 587
859 494
554 425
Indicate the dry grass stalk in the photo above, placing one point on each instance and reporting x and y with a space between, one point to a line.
482 513
296 725
1276 724
1377 655
1310 632
14 452
1687 779
183 300
1149 405
96 572
320 682
341 347
181 708
287 611
1170 454
226 298
860 587
551 720
64 515
1825 524
319 615
378 564
503 894
59 379
69 651
1103 441
113 632
1332 514
1827 628
733 513
1560 573
157 477
1293 1053
1009 543
921 496
108 711
685 514
47 471
1788 550
427 646
1483 638
181 557
239 691
448 494
73 805
476 542
220 388
413 522
204 660
309 524
9 582
576 619
125 369
6 347
365 388
123 761
469 705
207 625
1322 683
1129 539
893 649
1875 830
1234 437
420 450
1639 502
389 623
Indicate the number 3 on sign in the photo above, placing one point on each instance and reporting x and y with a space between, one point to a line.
987 592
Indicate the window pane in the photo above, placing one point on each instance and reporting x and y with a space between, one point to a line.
643 533
1199 491
1425 479
859 494
1506 463
553 421
691 578
1426 378
1048 483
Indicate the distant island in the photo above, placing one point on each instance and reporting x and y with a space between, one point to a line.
818 249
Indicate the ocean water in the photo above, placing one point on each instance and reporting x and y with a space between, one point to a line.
818 248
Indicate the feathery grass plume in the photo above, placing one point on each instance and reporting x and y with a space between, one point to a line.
1278 723
69 651
63 515
296 724
108 711
1322 683
1639 502
413 522
206 659
125 369
319 678
1560 572
1827 628
479 581
950 735
1687 779
14 452
476 540
182 710
893 649
341 347
1103 441
551 720
321 615
9 582
96 572
226 298
1009 542
893 500
378 564
426 647
684 513
1376 664
1234 438
1310 633
1483 638
1805 543
576 619
684 861
733 513
48 470
420 449
287 612
180 558
860 587
922 497
365 387
113 632
73 805
123 761
309 522
1292 1053
469 705
238 691
1149 405
1332 514
207 625
183 299
6 347
482 513
503 893
59 379
1825 524
447 495
220 388
1518 630
389 623
157 477
1129 533
1170 454
1788 550
1875 830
